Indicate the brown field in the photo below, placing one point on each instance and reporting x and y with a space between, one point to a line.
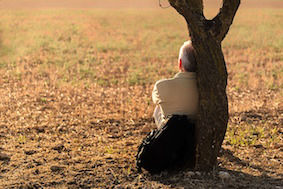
75 90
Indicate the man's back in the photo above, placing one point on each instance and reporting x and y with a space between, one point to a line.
178 95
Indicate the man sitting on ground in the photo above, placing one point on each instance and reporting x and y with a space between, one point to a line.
178 95
172 145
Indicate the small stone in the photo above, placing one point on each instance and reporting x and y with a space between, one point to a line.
164 173
29 166
56 168
277 146
273 160
243 118
113 136
4 157
40 129
62 129
128 133
36 172
258 146
30 152
118 187
58 148
190 173
72 182
145 130
129 143
198 173
37 163
116 124
224 175
255 133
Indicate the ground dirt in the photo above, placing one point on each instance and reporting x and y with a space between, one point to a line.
65 138
66 121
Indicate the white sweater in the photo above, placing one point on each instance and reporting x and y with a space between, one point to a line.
178 95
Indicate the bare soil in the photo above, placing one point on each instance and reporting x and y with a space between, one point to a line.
56 134
70 138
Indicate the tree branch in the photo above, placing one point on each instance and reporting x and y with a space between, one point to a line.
221 23
183 6
192 11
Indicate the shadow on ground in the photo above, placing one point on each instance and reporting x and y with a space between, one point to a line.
237 179
101 154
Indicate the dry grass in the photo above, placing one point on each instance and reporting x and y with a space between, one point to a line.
75 92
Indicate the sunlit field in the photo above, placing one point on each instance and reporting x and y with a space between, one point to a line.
75 97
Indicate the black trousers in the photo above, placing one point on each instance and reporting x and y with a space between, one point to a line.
171 147
181 130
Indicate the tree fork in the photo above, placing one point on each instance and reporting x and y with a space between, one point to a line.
206 36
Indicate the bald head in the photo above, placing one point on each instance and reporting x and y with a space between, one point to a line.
187 61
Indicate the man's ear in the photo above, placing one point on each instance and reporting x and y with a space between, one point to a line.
180 64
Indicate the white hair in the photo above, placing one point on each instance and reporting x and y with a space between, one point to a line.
185 54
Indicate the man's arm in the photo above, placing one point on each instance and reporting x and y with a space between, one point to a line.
155 95
157 114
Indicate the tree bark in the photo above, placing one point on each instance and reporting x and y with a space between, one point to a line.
206 36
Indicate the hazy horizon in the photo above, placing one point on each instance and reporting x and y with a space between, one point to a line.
120 4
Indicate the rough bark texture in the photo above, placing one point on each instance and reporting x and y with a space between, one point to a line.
206 36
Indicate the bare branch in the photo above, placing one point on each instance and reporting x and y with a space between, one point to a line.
192 10
221 23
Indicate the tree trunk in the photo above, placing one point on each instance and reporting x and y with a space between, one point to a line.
206 36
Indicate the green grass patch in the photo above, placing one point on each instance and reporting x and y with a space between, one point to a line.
247 134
